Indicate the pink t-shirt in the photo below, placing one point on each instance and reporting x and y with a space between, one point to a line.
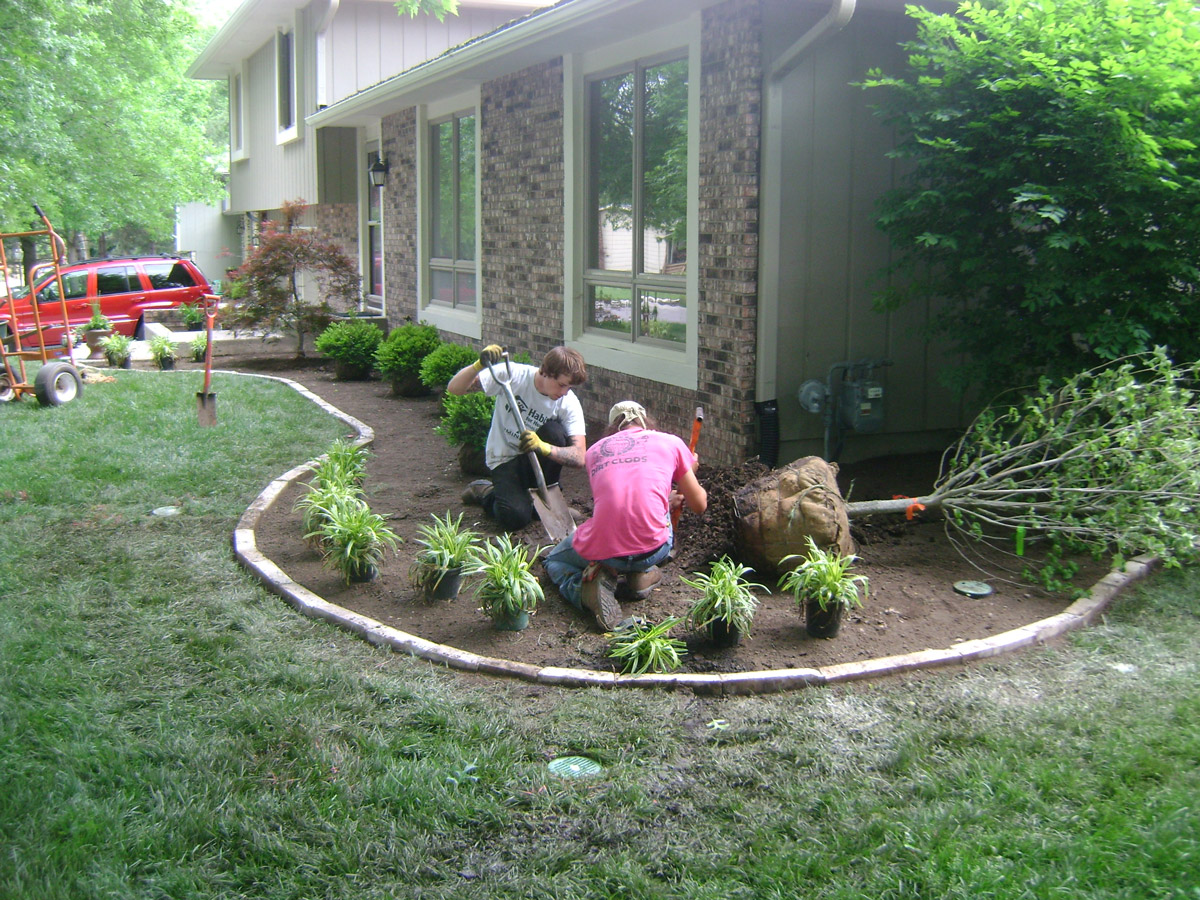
631 474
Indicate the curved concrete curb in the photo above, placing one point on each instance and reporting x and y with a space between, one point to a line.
1082 612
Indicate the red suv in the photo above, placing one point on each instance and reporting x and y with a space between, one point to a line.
124 288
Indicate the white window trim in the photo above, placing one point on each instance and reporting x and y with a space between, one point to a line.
650 361
237 84
287 135
464 321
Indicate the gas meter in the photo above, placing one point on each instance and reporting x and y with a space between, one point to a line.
849 398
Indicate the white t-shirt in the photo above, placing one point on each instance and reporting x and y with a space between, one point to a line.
536 410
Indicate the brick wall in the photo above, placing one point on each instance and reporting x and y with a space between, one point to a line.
339 223
521 196
399 135
522 232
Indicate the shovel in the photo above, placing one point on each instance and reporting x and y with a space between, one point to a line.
206 402
699 420
549 501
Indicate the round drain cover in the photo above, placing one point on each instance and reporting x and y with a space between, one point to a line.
165 511
574 766
973 589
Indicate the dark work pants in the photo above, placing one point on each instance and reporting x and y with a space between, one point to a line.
509 502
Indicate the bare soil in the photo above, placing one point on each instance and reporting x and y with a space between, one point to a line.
413 473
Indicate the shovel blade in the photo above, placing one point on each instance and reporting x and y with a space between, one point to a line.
552 509
206 409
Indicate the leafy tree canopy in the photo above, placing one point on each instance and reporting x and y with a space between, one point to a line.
1053 182
100 125
437 8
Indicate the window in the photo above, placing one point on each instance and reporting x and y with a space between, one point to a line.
237 141
374 231
164 276
115 280
452 267
635 277
285 83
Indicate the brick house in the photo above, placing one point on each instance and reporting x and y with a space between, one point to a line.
683 191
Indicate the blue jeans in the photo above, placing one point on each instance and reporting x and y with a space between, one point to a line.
565 566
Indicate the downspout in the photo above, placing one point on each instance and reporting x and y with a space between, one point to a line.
834 20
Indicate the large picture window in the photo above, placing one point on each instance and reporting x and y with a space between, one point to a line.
635 282
452 211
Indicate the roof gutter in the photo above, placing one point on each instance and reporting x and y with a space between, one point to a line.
423 80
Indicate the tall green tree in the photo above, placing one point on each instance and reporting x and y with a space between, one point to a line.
99 123
1052 187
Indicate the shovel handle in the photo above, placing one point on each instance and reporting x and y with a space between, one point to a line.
512 404
699 420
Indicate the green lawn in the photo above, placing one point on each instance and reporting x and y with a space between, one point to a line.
168 729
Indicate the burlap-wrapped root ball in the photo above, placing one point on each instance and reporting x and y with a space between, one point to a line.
775 513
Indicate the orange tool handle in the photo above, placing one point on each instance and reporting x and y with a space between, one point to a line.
699 420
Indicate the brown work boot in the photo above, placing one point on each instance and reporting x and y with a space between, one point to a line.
476 492
640 583
598 596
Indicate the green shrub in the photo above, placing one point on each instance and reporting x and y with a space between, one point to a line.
351 344
466 419
443 363
401 353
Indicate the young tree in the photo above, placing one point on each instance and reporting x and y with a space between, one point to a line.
266 289
1052 182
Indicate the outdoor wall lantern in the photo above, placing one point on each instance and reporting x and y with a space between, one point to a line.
378 172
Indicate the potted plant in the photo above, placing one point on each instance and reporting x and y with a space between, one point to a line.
726 606
116 350
509 592
399 356
162 349
317 501
447 554
353 539
823 585
94 331
193 314
643 647
345 462
465 423
351 344
198 347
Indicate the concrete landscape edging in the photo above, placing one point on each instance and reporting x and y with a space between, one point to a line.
1084 611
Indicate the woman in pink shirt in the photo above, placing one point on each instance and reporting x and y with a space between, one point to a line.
636 474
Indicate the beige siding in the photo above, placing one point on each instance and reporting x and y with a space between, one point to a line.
272 172
830 252
369 42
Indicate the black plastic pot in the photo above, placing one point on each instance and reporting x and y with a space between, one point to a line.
446 588
723 634
363 574
822 623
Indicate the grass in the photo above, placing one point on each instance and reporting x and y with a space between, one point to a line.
170 729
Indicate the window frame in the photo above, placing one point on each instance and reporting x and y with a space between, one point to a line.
657 360
372 226
286 85
238 148
465 319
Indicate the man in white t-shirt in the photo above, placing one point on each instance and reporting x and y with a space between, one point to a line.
554 429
